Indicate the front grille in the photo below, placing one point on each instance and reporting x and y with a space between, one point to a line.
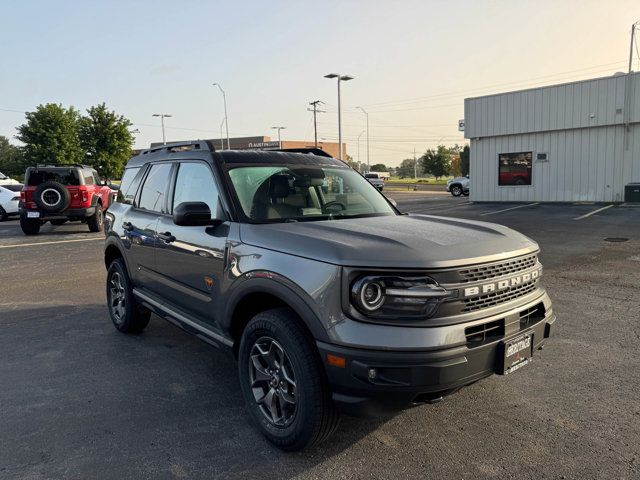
484 272
484 332
494 298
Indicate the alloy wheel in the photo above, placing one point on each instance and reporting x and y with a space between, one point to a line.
273 382
117 302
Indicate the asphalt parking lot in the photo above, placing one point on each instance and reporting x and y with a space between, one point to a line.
80 400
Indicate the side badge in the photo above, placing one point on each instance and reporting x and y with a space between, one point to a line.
208 282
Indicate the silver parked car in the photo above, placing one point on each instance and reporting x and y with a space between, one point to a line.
458 186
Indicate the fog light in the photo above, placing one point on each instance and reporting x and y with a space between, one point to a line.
373 374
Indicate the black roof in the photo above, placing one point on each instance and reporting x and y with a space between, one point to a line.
194 149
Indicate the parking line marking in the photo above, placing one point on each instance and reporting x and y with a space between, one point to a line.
594 212
508 209
444 206
17 245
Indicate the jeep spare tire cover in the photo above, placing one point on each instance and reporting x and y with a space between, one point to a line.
52 197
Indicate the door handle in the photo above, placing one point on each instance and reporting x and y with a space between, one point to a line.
166 237
128 226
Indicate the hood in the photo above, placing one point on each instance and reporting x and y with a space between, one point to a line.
402 241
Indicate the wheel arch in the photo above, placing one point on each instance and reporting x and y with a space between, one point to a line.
259 295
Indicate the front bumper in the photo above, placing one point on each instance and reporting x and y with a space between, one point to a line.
410 377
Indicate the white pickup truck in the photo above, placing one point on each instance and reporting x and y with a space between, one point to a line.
375 180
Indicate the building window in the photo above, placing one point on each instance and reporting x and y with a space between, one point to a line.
514 168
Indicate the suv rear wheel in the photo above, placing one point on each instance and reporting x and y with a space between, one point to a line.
29 226
126 315
96 221
283 382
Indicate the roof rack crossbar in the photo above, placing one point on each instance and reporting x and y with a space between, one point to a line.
180 147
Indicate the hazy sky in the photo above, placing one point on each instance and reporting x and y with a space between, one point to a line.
413 62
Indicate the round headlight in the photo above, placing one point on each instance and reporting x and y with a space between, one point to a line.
369 294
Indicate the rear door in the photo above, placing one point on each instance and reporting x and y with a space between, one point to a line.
139 224
190 260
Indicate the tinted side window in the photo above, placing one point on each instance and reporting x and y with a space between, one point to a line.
195 183
155 187
129 185
88 178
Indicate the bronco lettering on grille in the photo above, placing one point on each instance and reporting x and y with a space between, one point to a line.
500 285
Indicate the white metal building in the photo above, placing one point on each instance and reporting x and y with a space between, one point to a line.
572 142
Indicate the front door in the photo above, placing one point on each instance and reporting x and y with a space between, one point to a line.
190 260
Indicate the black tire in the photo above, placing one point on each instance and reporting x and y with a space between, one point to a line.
456 190
3 215
466 194
29 226
58 222
96 221
126 314
52 197
314 417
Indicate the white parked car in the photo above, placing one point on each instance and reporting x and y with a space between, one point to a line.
4 180
9 200
458 186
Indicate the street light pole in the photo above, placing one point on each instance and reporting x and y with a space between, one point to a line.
221 137
341 78
226 120
162 117
367 115
279 140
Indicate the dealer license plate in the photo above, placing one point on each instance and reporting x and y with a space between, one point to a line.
33 214
517 353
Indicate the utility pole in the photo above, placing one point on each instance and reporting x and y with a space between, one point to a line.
226 120
367 115
315 110
162 117
627 89
415 164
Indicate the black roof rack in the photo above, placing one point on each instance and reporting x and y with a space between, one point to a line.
312 150
180 147
61 165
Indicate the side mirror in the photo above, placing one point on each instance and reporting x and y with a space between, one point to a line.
193 214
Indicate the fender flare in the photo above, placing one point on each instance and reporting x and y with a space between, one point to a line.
281 288
113 241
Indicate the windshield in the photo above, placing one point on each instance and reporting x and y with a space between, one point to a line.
303 193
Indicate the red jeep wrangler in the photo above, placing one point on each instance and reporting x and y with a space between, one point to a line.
61 193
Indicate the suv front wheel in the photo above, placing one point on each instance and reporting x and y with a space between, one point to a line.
127 316
283 382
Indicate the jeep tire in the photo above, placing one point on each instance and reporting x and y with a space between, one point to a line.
125 312
52 197
96 221
29 226
283 382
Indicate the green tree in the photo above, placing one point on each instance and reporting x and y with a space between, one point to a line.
11 159
406 168
50 135
106 139
379 167
465 155
436 162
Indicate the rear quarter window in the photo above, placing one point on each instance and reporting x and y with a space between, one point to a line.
129 185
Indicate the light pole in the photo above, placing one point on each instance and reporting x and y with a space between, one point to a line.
226 120
221 137
279 141
367 115
341 78
359 146
162 117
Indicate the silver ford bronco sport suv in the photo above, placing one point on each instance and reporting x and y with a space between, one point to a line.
330 298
